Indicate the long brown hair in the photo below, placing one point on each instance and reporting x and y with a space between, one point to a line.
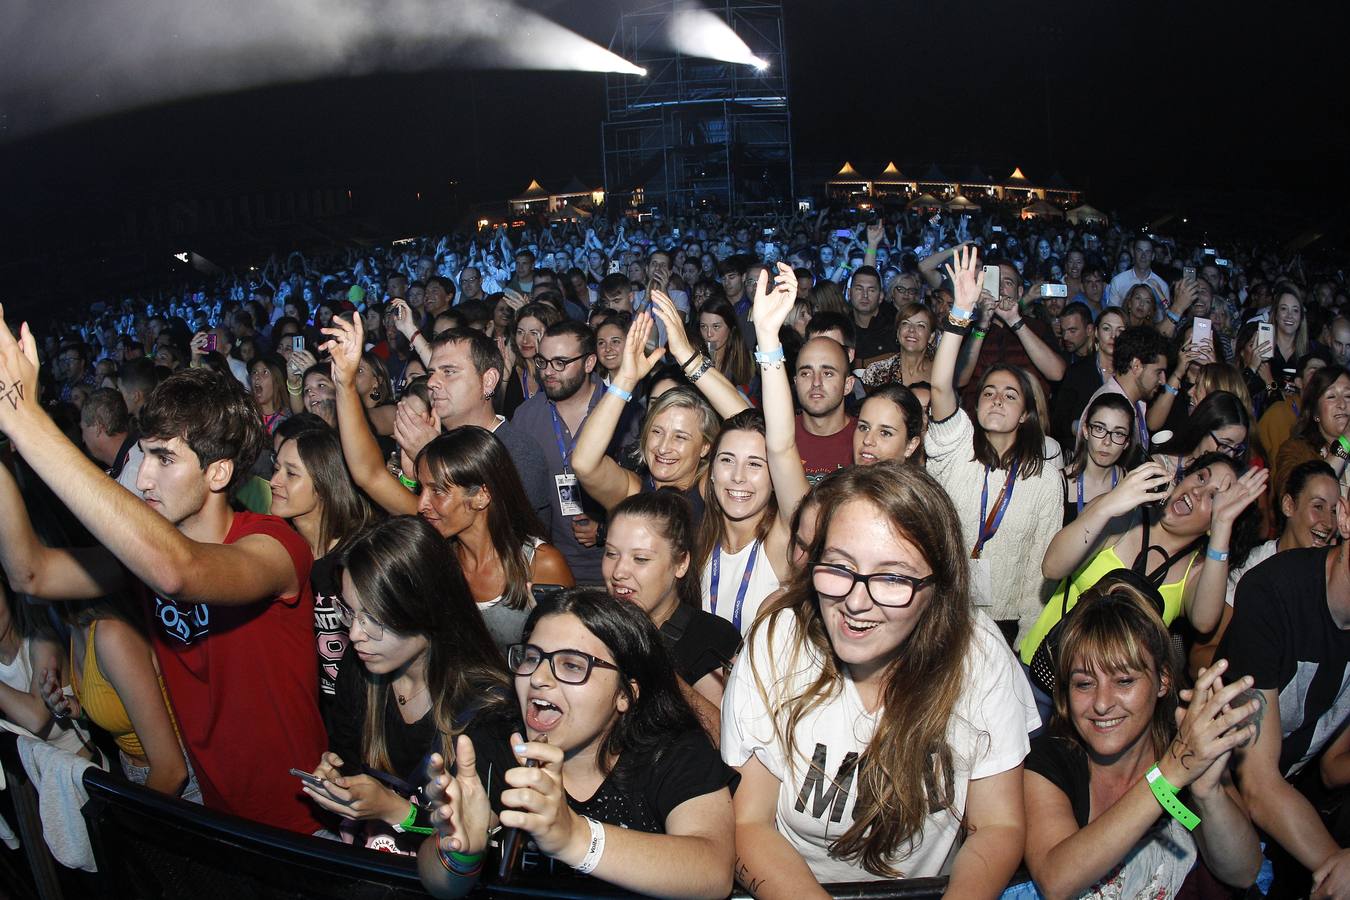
344 509
472 459
407 580
712 529
906 771
1028 447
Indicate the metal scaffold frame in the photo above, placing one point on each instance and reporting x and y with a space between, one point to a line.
699 133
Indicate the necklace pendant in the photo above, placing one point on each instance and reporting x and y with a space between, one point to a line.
402 700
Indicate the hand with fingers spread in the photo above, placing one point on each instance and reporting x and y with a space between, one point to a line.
965 274
535 802
1242 493
515 299
346 340
18 377
460 808
773 304
1208 729
636 363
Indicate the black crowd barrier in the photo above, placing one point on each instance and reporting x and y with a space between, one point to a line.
151 846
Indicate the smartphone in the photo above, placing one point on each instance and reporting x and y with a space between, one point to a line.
1210 251
1202 330
768 232
1221 262
675 233
992 277
843 233
1188 273
297 343
1265 334
316 783
613 267
210 343
1054 290
996 228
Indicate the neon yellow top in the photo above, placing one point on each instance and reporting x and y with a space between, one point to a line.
1105 561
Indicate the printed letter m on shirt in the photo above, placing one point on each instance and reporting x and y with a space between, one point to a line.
836 796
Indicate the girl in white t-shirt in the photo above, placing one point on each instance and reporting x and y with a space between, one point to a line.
878 721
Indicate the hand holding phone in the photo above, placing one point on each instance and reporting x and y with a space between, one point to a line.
992 279
1202 330
297 343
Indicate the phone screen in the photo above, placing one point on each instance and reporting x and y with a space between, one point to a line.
1201 331
991 280
297 343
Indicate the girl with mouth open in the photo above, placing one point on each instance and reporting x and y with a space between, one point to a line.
874 710
1182 548
1100 830
624 786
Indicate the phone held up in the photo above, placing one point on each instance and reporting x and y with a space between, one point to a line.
1265 337
991 281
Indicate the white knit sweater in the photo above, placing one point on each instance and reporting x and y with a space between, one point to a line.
1035 513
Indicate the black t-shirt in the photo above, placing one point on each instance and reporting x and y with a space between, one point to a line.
1282 634
331 634
640 794
1063 763
699 642
879 338
1071 397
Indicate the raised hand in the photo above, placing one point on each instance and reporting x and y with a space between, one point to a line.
964 271
677 340
413 431
347 340
876 233
636 363
18 376
1228 505
403 317
461 812
773 304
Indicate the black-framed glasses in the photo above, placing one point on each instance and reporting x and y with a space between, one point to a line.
373 627
1228 448
568 666
885 588
1099 431
557 364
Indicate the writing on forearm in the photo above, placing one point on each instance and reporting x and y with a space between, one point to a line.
13 393
747 879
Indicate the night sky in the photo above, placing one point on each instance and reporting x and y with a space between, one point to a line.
1135 101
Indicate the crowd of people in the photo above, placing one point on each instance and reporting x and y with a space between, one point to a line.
688 552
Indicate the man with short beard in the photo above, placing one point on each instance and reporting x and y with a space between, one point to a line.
553 417
873 321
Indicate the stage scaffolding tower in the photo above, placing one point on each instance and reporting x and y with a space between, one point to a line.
700 134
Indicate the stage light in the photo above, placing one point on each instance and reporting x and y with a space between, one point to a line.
695 31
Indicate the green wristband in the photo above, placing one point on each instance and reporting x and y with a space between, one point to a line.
409 483
1166 795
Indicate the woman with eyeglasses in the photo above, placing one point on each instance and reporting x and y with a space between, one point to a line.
1220 423
1107 448
875 716
421 670
1181 540
614 777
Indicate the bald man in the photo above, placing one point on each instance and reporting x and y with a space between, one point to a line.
824 430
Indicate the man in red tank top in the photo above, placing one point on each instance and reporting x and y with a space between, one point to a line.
228 593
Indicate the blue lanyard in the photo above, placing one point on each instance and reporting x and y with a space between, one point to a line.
525 383
745 582
1115 477
563 449
989 523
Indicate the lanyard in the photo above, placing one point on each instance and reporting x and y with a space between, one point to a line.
1139 417
525 383
1115 477
563 449
994 518
745 582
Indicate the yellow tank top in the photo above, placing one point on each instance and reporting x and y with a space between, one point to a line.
1105 561
100 702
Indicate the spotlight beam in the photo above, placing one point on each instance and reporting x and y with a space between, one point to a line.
695 31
